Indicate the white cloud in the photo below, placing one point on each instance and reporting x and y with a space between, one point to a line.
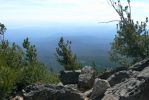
24 12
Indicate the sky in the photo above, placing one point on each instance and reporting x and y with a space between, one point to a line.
16 13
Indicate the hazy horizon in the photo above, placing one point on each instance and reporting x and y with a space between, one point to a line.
91 43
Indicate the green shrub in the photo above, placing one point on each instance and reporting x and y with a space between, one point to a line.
19 69
37 73
8 78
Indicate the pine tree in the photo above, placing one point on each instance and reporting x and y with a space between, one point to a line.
131 42
31 52
65 56
2 30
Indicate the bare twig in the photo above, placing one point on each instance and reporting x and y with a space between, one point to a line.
120 13
129 8
110 21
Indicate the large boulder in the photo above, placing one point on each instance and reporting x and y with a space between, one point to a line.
69 77
121 76
107 73
144 74
87 93
50 92
131 89
99 88
140 65
86 78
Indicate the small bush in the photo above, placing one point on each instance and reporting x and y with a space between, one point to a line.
37 73
8 78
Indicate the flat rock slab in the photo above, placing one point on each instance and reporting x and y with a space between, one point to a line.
50 92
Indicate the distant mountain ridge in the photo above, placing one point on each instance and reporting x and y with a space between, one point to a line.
90 43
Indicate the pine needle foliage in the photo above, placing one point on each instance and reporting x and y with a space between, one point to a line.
131 43
20 67
65 56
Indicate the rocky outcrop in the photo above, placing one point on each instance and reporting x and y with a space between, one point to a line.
99 88
50 92
86 78
144 74
121 76
131 89
140 65
124 84
69 77
106 74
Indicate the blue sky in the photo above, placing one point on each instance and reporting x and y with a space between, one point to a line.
37 12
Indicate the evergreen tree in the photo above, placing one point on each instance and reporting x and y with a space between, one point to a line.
65 56
31 52
2 30
131 42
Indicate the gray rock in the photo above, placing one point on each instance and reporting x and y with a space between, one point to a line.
69 77
99 88
86 78
110 97
127 90
60 84
121 76
88 93
144 73
72 86
50 92
17 98
140 65
131 89
106 74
